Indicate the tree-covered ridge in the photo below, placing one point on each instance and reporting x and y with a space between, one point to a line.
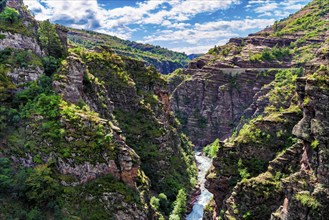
163 59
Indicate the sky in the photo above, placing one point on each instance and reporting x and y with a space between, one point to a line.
190 26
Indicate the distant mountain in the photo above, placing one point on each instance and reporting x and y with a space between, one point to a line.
164 60
193 56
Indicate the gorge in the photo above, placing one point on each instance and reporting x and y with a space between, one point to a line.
95 127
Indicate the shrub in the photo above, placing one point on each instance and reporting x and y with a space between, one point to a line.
315 144
243 170
164 204
307 200
42 188
50 65
155 203
2 5
9 14
35 214
179 206
211 149
267 55
256 58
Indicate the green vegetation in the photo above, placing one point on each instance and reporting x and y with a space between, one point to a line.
43 196
275 53
131 82
9 14
10 59
179 206
19 58
243 170
202 121
315 144
211 149
312 22
154 55
11 21
247 215
307 200
36 193
283 91
161 205
49 39
250 133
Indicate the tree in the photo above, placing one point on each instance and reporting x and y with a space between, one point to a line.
49 39
9 14
42 188
179 206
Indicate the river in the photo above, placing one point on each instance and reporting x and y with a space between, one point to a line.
204 164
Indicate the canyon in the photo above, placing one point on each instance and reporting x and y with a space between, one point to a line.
90 128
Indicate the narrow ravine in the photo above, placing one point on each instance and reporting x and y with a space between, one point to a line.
204 164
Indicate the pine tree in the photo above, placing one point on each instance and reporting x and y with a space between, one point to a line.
49 39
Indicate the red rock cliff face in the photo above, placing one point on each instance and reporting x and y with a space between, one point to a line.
211 102
309 200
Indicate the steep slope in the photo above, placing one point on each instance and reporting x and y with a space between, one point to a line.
83 133
165 61
229 76
273 165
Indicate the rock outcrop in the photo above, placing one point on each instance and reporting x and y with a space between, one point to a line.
19 41
211 102
21 76
308 200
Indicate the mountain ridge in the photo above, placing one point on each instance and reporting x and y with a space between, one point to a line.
164 60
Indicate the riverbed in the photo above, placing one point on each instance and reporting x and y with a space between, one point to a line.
204 164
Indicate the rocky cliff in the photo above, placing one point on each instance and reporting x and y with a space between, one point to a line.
267 93
226 80
83 132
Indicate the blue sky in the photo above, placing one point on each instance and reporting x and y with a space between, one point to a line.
190 26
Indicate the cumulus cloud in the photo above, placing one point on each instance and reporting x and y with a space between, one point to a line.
92 15
202 32
280 9
199 49
170 22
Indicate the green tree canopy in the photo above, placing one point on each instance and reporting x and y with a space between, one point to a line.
9 14
49 39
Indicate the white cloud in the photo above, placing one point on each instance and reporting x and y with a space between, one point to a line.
91 15
193 50
170 18
266 8
208 31
198 49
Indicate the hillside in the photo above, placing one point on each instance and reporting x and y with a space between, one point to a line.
267 94
165 61
84 132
